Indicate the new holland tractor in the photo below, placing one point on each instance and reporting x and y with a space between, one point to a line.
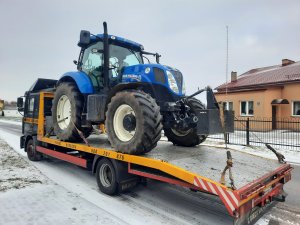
135 100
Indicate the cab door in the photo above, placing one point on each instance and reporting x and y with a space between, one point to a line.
31 114
92 65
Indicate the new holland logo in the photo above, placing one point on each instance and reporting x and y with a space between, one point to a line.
132 77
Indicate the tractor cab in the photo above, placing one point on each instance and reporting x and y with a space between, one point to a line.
109 60
122 53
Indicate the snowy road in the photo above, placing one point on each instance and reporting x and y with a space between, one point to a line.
159 203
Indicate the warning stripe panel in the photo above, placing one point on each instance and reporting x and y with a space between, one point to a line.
229 198
212 188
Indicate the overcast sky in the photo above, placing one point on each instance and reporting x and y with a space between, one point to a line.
39 38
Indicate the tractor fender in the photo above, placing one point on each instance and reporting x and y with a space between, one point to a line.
131 86
143 86
81 79
157 91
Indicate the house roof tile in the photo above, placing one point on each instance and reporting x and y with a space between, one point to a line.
271 75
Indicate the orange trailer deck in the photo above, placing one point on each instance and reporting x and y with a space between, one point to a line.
258 181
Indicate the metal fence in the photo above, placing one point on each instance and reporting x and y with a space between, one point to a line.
282 133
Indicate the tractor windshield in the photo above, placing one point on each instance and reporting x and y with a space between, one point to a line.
121 57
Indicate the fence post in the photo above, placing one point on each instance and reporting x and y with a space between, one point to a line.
226 136
247 132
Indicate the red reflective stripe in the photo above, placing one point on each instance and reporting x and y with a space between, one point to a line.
63 156
197 183
203 184
229 198
234 197
212 187
228 205
233 202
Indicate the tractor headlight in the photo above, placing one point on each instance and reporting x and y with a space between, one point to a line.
172 82
183 88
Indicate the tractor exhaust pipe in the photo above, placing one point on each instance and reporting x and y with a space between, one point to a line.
106 56
105 27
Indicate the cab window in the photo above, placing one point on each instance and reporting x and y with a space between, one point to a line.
121 57
30 111
92 64
31 105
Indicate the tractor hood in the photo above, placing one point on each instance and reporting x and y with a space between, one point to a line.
155 74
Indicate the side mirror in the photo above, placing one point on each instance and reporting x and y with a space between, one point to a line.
85 38
97 51
20 104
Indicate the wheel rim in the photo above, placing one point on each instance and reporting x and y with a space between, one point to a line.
63 112
105 175
118 123
181 133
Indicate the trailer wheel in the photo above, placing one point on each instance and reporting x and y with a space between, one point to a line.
32 154
188 138
133 122
66 111
106 177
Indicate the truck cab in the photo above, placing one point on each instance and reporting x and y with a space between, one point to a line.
29 106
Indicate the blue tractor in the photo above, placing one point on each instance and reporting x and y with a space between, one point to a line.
135 100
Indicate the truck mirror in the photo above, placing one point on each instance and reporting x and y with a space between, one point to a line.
20 104
85 38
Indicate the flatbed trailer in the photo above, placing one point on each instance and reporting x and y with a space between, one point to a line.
258 181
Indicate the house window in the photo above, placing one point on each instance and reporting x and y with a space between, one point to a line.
228 105
247 108
296 108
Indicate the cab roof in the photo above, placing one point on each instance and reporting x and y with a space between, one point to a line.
121 40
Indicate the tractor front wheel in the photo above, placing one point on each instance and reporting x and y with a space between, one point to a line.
187 138
133 122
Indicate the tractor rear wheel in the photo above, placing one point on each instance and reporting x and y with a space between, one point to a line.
66 113
133 122
188 138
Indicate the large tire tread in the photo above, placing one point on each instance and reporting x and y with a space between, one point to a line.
70 133
147 137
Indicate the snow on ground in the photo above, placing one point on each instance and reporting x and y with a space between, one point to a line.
11 115
282 139
16 173
29 197
280 215
291 156
10 120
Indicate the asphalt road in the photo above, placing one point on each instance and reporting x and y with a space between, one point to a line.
283 213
